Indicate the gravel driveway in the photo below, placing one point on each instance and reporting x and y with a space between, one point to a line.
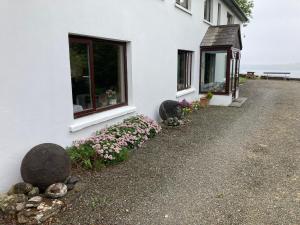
228 166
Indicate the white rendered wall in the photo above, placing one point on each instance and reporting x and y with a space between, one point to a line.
36 93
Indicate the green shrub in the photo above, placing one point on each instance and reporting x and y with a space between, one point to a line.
209 95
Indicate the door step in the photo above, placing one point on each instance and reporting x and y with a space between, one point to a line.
238 102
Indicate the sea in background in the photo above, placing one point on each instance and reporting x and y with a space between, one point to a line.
259 70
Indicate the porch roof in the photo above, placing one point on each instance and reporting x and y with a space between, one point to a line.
225 35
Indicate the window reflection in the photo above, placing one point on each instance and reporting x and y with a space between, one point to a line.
80 74
213 72
98 74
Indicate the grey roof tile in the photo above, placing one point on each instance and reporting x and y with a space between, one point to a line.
225 35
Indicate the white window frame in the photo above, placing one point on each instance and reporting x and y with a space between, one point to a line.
180 5
187 10
210 19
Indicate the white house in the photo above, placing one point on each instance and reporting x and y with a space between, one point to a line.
71 67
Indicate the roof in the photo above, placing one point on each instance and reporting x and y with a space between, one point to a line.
225 35
236 9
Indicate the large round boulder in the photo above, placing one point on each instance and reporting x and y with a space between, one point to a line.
46 164
170 109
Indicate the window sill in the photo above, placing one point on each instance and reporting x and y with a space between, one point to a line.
185 92
207 22
183 9
214 93
97 118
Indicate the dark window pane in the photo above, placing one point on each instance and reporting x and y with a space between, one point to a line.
184 70
219 14
213 71
109 73
207 10
80 74
229 18
183 3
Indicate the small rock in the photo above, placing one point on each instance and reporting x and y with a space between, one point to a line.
71 180
43 207
34 192
20 206
29 212
263 145
22 219
220 195
58 190
32 205
23 188
36 199
172 122
20 188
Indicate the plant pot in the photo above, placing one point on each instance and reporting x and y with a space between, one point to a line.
204 102
112 101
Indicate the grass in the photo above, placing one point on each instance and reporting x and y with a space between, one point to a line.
243 80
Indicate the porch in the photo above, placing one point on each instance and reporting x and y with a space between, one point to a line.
220 63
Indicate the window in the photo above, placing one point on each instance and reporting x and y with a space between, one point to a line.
184 70
208 10
213 71
184 3
98 74
219 14
230 18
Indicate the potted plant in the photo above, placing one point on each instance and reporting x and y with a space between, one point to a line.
204 101
112 97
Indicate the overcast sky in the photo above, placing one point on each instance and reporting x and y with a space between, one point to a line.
273 35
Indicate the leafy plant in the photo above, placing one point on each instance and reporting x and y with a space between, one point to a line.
82 156
186 111
196 105
189 107
209 95
246 6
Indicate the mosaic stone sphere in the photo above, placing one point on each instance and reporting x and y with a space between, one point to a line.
46 164
170 109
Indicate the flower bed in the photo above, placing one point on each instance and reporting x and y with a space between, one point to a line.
112 144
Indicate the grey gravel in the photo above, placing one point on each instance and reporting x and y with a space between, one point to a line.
227 166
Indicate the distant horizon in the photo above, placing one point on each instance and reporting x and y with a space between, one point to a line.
271 64
259 69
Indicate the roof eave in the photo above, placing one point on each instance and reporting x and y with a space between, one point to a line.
237 10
